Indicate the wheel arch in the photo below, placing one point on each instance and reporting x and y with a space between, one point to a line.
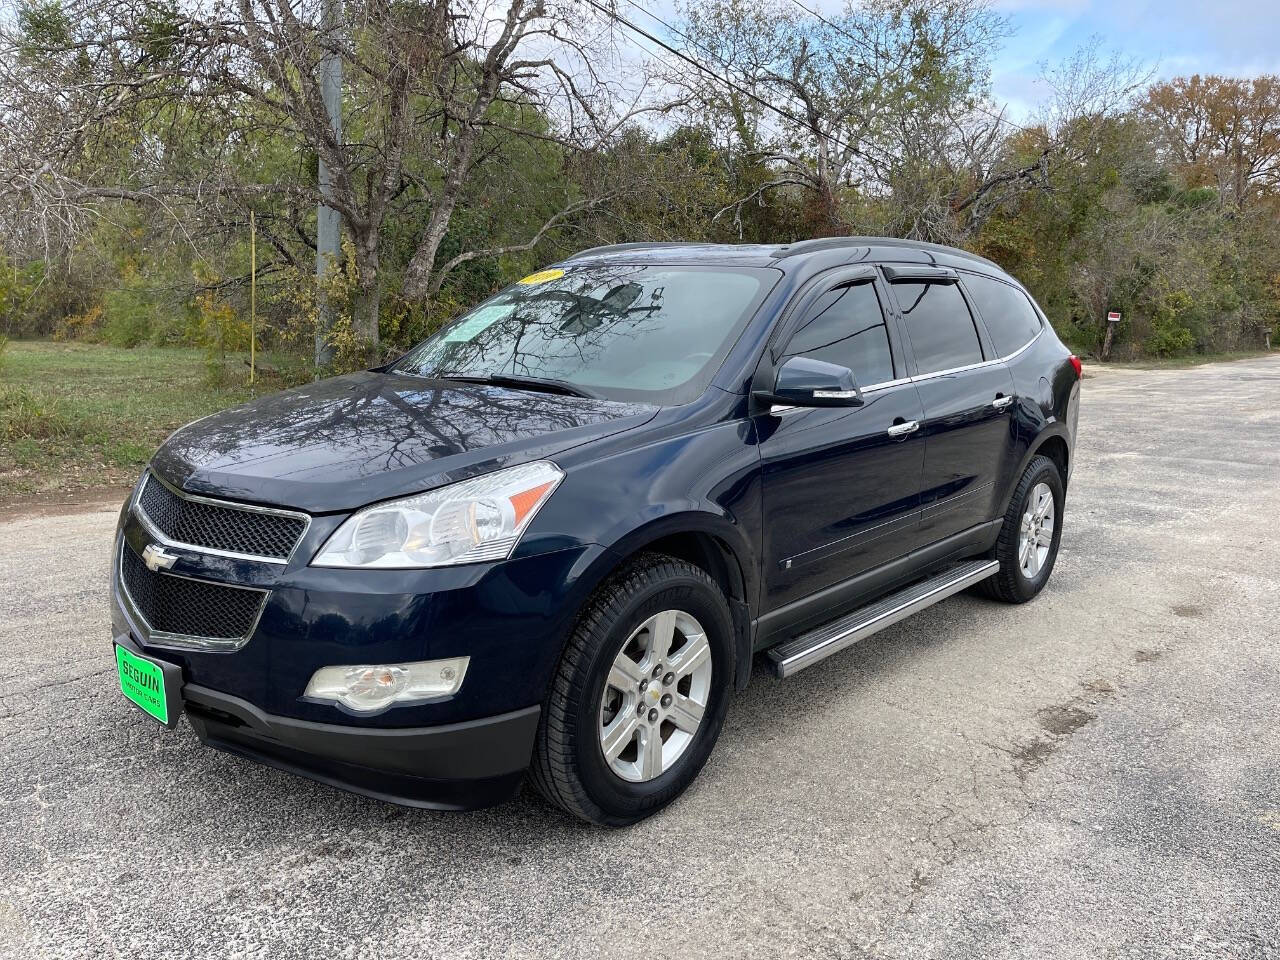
1056 448
1053 442
708 541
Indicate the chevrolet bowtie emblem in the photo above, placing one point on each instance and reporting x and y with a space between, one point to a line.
154 556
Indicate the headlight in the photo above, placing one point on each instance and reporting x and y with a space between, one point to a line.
365 688
467 522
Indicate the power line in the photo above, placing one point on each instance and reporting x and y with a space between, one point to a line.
832 138
815 13
839 29
612 15
683 36
702 67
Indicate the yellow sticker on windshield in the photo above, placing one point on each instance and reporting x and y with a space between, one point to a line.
542 276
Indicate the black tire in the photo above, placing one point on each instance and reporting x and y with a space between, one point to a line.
569 767
1009 583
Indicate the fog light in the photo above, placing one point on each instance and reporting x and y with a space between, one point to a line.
368 687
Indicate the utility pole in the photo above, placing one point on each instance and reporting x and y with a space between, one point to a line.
328 220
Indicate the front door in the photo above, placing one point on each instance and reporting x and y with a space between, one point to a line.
841 486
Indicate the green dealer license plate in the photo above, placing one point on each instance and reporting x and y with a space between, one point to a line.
142 681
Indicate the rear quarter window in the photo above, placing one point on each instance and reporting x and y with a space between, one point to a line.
939 324
1010 318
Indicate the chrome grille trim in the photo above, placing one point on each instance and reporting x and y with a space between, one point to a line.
157 534
181 641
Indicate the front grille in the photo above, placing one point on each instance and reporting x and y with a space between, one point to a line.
232 529
189 608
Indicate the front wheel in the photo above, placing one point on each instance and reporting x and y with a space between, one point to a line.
640 693
1028 544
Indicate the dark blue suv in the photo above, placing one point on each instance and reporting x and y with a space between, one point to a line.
551 537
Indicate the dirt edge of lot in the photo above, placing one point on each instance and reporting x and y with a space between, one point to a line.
88 500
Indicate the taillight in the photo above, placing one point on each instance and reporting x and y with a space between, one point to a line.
1077 366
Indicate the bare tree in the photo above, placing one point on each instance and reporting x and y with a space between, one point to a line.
882 116
131 101
873 102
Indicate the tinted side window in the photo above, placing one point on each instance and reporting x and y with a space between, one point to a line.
846 326
1008 314
939 324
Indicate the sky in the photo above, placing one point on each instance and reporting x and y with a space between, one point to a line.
1168 37
1173 37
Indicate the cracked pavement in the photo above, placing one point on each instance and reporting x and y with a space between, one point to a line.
1096 774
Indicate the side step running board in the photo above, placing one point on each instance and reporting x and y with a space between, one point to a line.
807 649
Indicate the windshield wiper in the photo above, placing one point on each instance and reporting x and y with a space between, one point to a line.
544 384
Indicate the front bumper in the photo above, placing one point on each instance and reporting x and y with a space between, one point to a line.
458 766
455 766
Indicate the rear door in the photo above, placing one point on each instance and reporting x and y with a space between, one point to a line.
968 399
841 486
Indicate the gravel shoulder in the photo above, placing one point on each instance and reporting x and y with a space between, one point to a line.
1095 774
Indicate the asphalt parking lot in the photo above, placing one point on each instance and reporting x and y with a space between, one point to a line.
1096 774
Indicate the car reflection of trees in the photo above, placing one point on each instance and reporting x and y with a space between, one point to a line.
548 332
389 422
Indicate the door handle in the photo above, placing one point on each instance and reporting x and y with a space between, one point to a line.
1001 402
902 429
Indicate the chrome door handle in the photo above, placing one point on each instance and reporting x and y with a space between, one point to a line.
1001 402
902 429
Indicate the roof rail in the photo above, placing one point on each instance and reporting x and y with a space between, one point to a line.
835 243
795 249
619 247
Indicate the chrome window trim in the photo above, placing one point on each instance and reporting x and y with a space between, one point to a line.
183 641
137 510
886 384
974 366
778 409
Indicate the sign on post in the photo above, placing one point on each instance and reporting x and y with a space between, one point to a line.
1113 317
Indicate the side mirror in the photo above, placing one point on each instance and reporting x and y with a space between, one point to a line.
802 382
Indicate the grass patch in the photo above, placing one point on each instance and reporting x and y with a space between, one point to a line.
27 418
75 416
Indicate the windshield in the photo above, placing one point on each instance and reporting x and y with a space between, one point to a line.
620 331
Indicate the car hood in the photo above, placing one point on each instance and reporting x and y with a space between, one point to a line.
348 441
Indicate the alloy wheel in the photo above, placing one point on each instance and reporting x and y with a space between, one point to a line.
655 696
1035 536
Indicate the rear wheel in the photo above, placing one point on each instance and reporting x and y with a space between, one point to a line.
640 693
1028 544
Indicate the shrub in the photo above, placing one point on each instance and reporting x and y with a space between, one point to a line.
1170 325
220 329
301 321
128 314
80 326
1168 339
